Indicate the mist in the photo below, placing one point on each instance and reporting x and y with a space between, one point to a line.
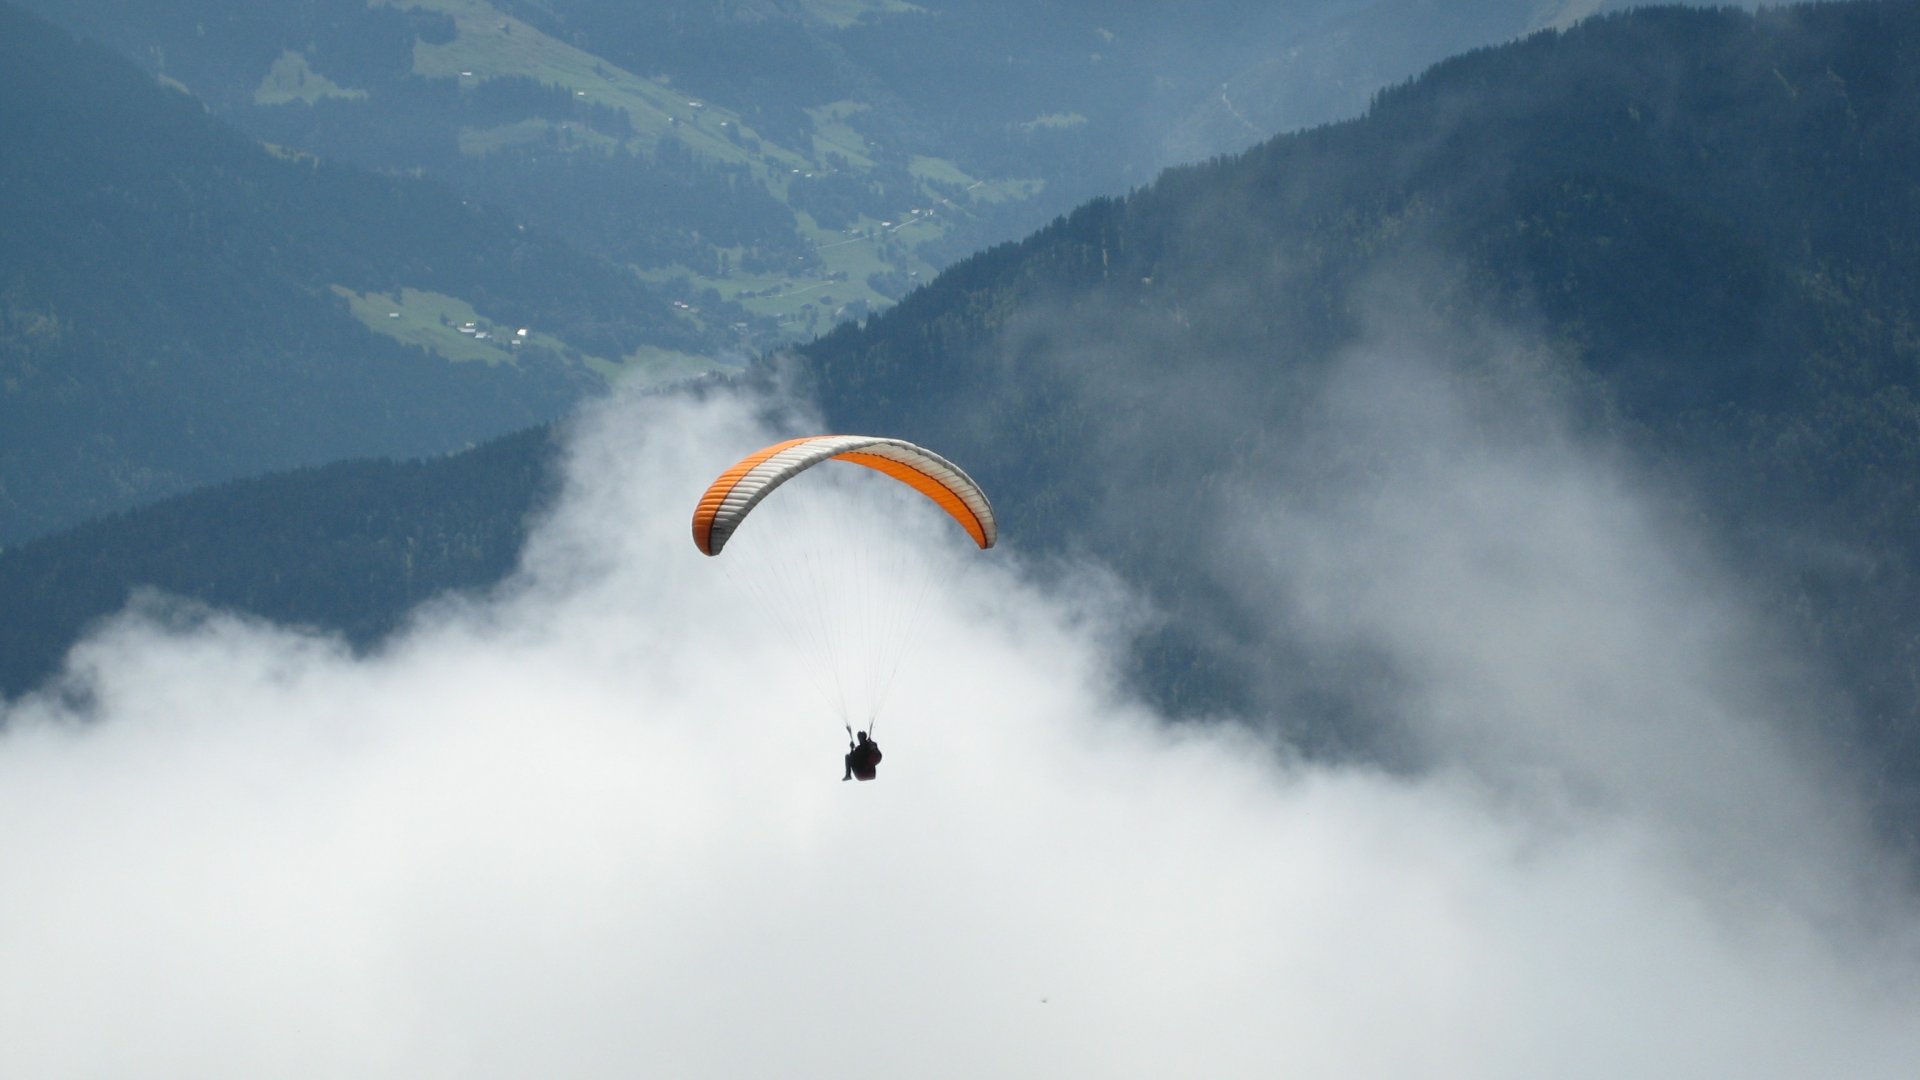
591 823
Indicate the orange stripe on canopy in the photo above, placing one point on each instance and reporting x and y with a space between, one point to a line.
717 492
942 495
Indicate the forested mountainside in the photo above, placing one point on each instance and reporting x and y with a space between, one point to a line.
783 164
1686 237
310 547
1702 227
180 306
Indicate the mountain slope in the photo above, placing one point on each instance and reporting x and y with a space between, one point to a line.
1684 238
310 547
180 306
784 165
1702 225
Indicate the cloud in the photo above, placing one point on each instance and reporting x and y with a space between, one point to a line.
591 825
1543 616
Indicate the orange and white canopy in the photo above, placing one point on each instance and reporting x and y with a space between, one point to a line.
737 491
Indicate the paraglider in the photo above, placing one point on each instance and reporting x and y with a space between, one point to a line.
840 598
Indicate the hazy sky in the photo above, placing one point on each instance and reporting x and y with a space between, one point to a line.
592 825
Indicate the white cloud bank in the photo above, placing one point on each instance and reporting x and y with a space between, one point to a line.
577 830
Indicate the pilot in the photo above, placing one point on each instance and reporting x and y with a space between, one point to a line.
863 759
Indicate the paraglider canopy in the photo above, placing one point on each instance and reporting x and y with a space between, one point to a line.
734 494
846 590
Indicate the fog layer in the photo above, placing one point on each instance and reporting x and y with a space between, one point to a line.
592 824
